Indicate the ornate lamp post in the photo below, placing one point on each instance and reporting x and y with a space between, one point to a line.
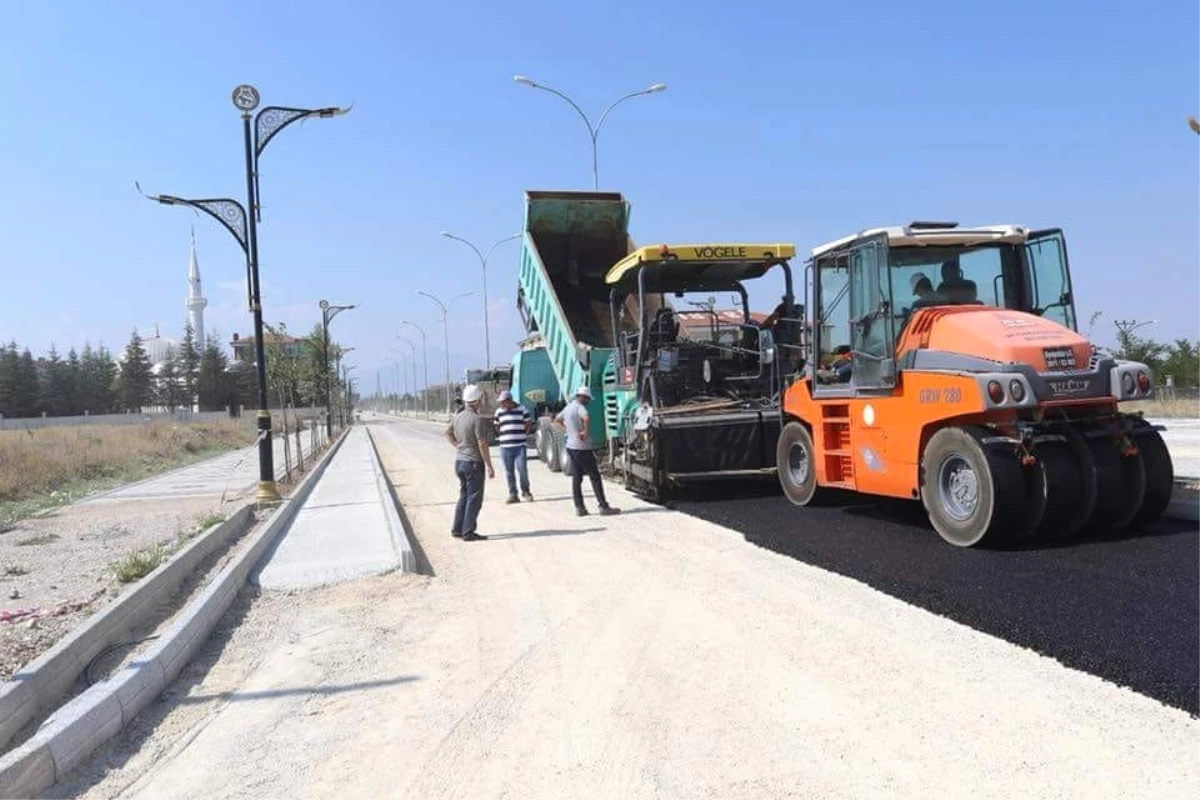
267 123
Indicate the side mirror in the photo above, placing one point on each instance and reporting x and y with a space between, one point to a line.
766 347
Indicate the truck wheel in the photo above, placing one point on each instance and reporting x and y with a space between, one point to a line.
553 451
972 495
796 459
564 459
540 442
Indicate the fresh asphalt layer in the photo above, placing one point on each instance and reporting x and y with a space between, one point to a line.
1122 608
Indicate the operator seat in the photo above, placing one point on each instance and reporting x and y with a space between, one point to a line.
665 328
954 287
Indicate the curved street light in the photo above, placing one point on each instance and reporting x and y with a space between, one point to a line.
483 259
593 130
446 329
241 222
425 361
328 312
413 347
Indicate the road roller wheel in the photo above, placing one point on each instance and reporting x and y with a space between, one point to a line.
1160 475
1068 480
974 494
796 462
1120 485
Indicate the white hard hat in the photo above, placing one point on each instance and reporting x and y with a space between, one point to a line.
585 391
472 394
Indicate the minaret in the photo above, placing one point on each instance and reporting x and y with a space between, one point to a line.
195 298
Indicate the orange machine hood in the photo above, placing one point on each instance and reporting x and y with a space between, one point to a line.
996 334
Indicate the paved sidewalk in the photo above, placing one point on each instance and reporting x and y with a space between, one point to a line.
233 474
348 527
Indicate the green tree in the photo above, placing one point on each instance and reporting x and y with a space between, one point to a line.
53 395
70 387
1183 363
10 369
26 395
137 381
170 390
213 384
109 377
189 362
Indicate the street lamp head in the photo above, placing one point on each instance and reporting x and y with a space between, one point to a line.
333 111
656 87
524 80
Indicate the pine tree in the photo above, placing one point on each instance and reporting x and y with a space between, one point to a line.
170 389
189 363
26 396
213 384
88 387
52 397
10 367
109 379
137 382
70 388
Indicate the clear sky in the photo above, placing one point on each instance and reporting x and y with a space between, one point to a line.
782 121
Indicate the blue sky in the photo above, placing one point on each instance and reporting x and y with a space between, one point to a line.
782 121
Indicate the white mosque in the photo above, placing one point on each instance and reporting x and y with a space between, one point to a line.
158 346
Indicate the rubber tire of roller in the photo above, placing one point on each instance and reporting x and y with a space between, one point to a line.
1065 490
1120 486
1001 489
804 491
1160 476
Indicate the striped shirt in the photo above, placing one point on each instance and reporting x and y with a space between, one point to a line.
511 426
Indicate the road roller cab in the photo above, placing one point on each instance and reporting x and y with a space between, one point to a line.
944 364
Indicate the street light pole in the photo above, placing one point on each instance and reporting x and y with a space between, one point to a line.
594 131
413 348
328 312
241 222
424 360
483 259
446 330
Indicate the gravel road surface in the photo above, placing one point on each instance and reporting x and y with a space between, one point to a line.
653 654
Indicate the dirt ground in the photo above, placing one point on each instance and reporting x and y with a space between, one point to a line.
646 655
55 570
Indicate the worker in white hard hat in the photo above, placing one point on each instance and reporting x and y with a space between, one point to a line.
468 432
574 419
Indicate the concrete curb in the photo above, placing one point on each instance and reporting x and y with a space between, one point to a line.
41 682
401 536
86 722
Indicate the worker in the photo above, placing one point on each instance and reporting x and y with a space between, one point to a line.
575 420
922 287
513 423
468 432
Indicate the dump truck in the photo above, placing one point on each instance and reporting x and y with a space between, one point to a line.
682 410
570 241
945 365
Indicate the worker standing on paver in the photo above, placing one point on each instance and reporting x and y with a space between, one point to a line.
575 420
468 432
513 423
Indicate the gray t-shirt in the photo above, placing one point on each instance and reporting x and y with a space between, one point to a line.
575 417
468 429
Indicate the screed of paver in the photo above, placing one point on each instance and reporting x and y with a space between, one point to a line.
645 655
341 531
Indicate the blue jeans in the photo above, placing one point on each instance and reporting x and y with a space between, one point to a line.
515 458
470 495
